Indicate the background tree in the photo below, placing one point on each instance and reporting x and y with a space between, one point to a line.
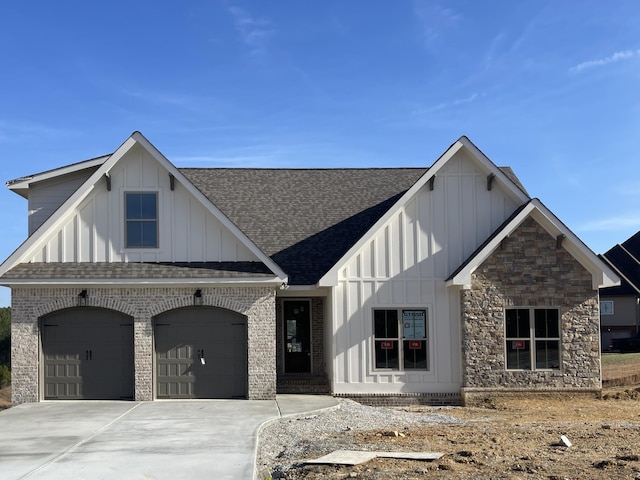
5 345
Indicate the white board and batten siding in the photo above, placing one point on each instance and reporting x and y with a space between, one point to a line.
405 265
187 231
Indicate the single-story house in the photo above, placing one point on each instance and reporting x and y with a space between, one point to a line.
140 280
620 306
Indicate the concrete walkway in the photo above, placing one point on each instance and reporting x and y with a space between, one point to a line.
133 440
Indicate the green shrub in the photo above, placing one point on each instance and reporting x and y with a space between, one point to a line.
5 376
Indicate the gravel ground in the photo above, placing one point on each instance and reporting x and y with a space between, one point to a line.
285 442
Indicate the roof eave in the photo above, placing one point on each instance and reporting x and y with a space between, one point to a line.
330 278
602 276
97 282
21 185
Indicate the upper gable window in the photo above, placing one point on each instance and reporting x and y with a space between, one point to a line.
141 220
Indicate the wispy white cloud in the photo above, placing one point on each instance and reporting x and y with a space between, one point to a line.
18 131
445 105
255 32
434 19
166 98
612 223
600 62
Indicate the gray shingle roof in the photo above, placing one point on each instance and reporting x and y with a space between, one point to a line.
128 271
626 259
304 219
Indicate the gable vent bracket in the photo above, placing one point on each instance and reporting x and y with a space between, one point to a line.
108 178
172 182
559 240
490 178
432 182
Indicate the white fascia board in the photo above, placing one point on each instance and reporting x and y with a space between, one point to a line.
246 241
330 278
463 277
493 168
21 185
60 215
602 276
65 210
148 281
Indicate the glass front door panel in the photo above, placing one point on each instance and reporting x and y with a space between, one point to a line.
297 336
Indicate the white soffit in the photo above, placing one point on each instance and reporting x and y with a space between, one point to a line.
32 243
602 275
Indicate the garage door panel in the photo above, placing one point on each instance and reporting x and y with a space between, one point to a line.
88 354
201 353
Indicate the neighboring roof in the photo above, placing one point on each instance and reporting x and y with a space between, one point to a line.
100 271
304 219
625 259
602 275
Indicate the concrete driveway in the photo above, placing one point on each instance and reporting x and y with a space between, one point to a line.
130 440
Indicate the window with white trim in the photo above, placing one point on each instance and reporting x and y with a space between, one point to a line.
400 339
532 338
141 219
606 307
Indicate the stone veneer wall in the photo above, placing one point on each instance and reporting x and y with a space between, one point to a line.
528 270
143 304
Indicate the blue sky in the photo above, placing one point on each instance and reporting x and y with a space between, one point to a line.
550 88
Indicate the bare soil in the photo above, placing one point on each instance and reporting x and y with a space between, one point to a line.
514 437
511 437
5 397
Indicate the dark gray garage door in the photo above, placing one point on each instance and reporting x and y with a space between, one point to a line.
201 352
88 355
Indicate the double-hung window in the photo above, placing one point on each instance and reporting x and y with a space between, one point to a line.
141 219
532 338
400 339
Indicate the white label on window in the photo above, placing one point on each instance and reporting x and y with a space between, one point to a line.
414 323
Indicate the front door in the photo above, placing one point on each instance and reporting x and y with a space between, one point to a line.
297 336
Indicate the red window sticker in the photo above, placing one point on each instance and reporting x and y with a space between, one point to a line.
415 344
517 344
386 345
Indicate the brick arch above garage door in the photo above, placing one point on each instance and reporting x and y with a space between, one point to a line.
208 300
71 301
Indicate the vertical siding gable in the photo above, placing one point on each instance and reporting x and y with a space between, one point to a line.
405 263
94 232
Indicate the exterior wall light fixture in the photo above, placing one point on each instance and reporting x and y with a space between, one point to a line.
197 297
82 298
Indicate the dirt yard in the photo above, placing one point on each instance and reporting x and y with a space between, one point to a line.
514 438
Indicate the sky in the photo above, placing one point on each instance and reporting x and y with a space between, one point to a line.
550 88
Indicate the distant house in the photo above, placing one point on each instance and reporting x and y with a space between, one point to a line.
140 280
620 305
